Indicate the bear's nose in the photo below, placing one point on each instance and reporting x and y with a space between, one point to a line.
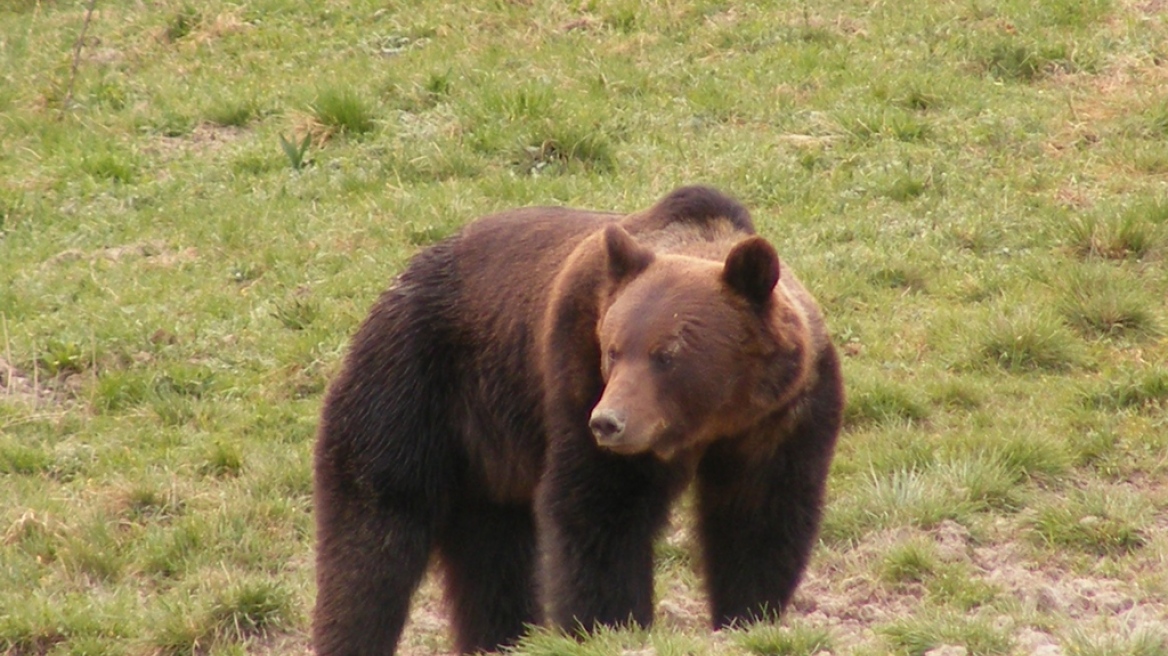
606 426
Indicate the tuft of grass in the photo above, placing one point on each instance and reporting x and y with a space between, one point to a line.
919 99
110 165
882 403
1026 454
956 586
1150 122
1145 640
1027 60
908 278
905 187
900 498
241 611
222 460
119 389
766 639
182 23
1146 390
1100 521
561 149
1082 14
622 18
911 562
1013 60
885 122
957 394
231 112
1024 339
987 481
168 554
1098 303
547 642
343 110
919 635
249 608
1124 235
24 460
150 504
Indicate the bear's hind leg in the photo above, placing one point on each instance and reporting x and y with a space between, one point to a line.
370 560
488 553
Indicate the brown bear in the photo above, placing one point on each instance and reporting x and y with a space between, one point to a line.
530 395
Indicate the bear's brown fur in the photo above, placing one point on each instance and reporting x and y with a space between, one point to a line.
530 396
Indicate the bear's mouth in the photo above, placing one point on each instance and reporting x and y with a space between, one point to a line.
668 444
649 441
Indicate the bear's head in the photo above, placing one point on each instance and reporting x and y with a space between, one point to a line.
693 349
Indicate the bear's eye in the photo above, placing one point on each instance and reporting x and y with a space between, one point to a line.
662 359
610 356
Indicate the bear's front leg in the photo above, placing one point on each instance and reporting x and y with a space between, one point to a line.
597 516
760 501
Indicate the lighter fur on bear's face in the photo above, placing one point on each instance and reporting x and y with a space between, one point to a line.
673 346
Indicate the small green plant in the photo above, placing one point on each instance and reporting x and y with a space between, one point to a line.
297 313
439 84
296 153
63 357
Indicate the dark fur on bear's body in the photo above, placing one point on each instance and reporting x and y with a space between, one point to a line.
468 420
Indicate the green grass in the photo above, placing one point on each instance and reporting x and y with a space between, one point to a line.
771 640
919 635
973 190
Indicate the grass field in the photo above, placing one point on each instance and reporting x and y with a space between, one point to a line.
200 200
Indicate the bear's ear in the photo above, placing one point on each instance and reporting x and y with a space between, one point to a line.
752 269
626 258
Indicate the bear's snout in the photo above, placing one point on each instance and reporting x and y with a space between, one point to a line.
607 427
